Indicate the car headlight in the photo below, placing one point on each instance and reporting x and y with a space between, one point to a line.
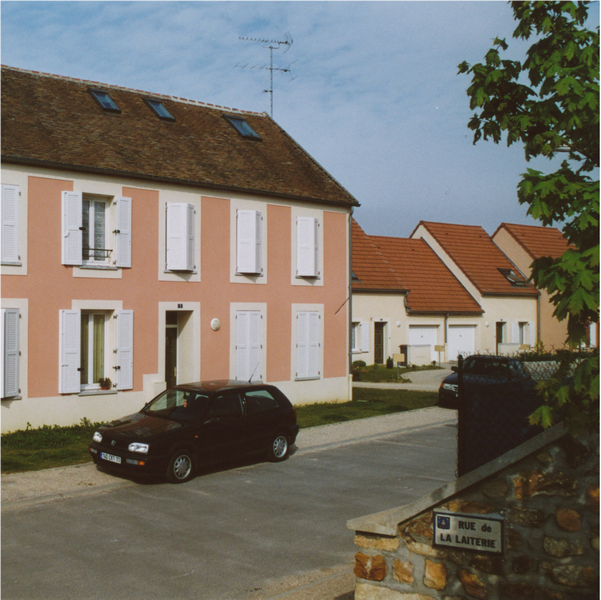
97 437
449 386
137 447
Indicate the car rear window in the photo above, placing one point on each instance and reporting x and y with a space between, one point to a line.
258 401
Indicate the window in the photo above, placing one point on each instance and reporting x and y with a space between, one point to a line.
356 337
159 109
10 352
308 335
514 278
307 251
10 225
248 242
88 237
93 349
180 237
248 345
243 128
227 406
105 101
83 349
259 401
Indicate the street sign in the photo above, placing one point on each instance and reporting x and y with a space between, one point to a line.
483 533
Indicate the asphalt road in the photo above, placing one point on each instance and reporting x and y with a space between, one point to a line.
247 530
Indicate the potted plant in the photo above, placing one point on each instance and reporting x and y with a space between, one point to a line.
105 383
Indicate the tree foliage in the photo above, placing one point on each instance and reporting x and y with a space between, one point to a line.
549 103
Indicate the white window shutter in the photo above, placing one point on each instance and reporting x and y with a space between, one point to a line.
314 331
71 228
123 231
365 337
180 236
532 333
248 241
307 247
10 224
69 352
254 331
10 352
302 344
125 349
242 349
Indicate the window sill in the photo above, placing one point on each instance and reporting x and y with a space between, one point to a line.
307 378
180 272
99 268
11 398
310 277
12 264
98 393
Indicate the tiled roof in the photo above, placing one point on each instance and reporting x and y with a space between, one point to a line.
537 241
370 267
54 121
480 259
434 289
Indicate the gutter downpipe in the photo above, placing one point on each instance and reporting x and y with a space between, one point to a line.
350 312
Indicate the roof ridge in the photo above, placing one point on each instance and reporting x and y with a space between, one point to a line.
126 89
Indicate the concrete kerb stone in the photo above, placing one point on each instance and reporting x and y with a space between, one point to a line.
21 489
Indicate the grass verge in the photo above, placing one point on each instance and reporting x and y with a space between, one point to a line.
54 446
381 374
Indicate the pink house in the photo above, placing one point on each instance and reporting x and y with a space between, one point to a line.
150 240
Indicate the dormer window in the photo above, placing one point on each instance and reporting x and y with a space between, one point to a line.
159 109
243 128
105 101
514 278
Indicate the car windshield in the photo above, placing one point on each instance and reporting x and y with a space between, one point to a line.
494 367
178 404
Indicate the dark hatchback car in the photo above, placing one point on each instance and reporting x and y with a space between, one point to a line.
485 370
195 424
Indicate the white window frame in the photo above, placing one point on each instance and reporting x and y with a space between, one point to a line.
356 336
10 225
90 350
91 260
308 345
10 335
118 214
180 236
248 332
70 349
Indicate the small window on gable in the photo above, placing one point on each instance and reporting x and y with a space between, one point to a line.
105 101
243 128
159 108
514 278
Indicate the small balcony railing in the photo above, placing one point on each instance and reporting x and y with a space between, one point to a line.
99 254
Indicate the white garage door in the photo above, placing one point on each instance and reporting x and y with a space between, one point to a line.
420 335
461 339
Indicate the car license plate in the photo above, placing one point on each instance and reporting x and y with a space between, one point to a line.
111 457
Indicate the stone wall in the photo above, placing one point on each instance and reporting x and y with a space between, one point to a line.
548 492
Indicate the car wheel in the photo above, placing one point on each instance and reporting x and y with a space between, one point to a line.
278 449
181 467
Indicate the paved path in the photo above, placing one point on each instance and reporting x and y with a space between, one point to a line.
50 484
421 381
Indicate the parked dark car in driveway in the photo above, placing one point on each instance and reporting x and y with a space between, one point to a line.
486 370
195 424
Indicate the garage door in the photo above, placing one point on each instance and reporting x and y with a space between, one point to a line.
461 339
420 335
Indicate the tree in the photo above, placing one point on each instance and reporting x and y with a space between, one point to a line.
550 104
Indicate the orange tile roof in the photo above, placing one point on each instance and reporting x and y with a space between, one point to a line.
370 267
480 259
53 121
434 289
537 241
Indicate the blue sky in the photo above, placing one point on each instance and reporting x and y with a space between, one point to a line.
375 99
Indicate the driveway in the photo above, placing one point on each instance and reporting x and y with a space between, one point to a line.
248 530
421 381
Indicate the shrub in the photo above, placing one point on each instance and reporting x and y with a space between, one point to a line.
389 363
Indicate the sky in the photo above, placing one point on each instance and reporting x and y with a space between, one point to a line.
372 92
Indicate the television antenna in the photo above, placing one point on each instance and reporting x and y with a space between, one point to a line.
272 45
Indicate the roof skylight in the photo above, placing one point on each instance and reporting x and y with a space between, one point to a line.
243 128
514 278
159 108
105 101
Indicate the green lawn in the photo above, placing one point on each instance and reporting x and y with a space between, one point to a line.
46 447
381 374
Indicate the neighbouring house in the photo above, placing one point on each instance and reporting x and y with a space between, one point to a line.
508 301
152 240
523 244
405 298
